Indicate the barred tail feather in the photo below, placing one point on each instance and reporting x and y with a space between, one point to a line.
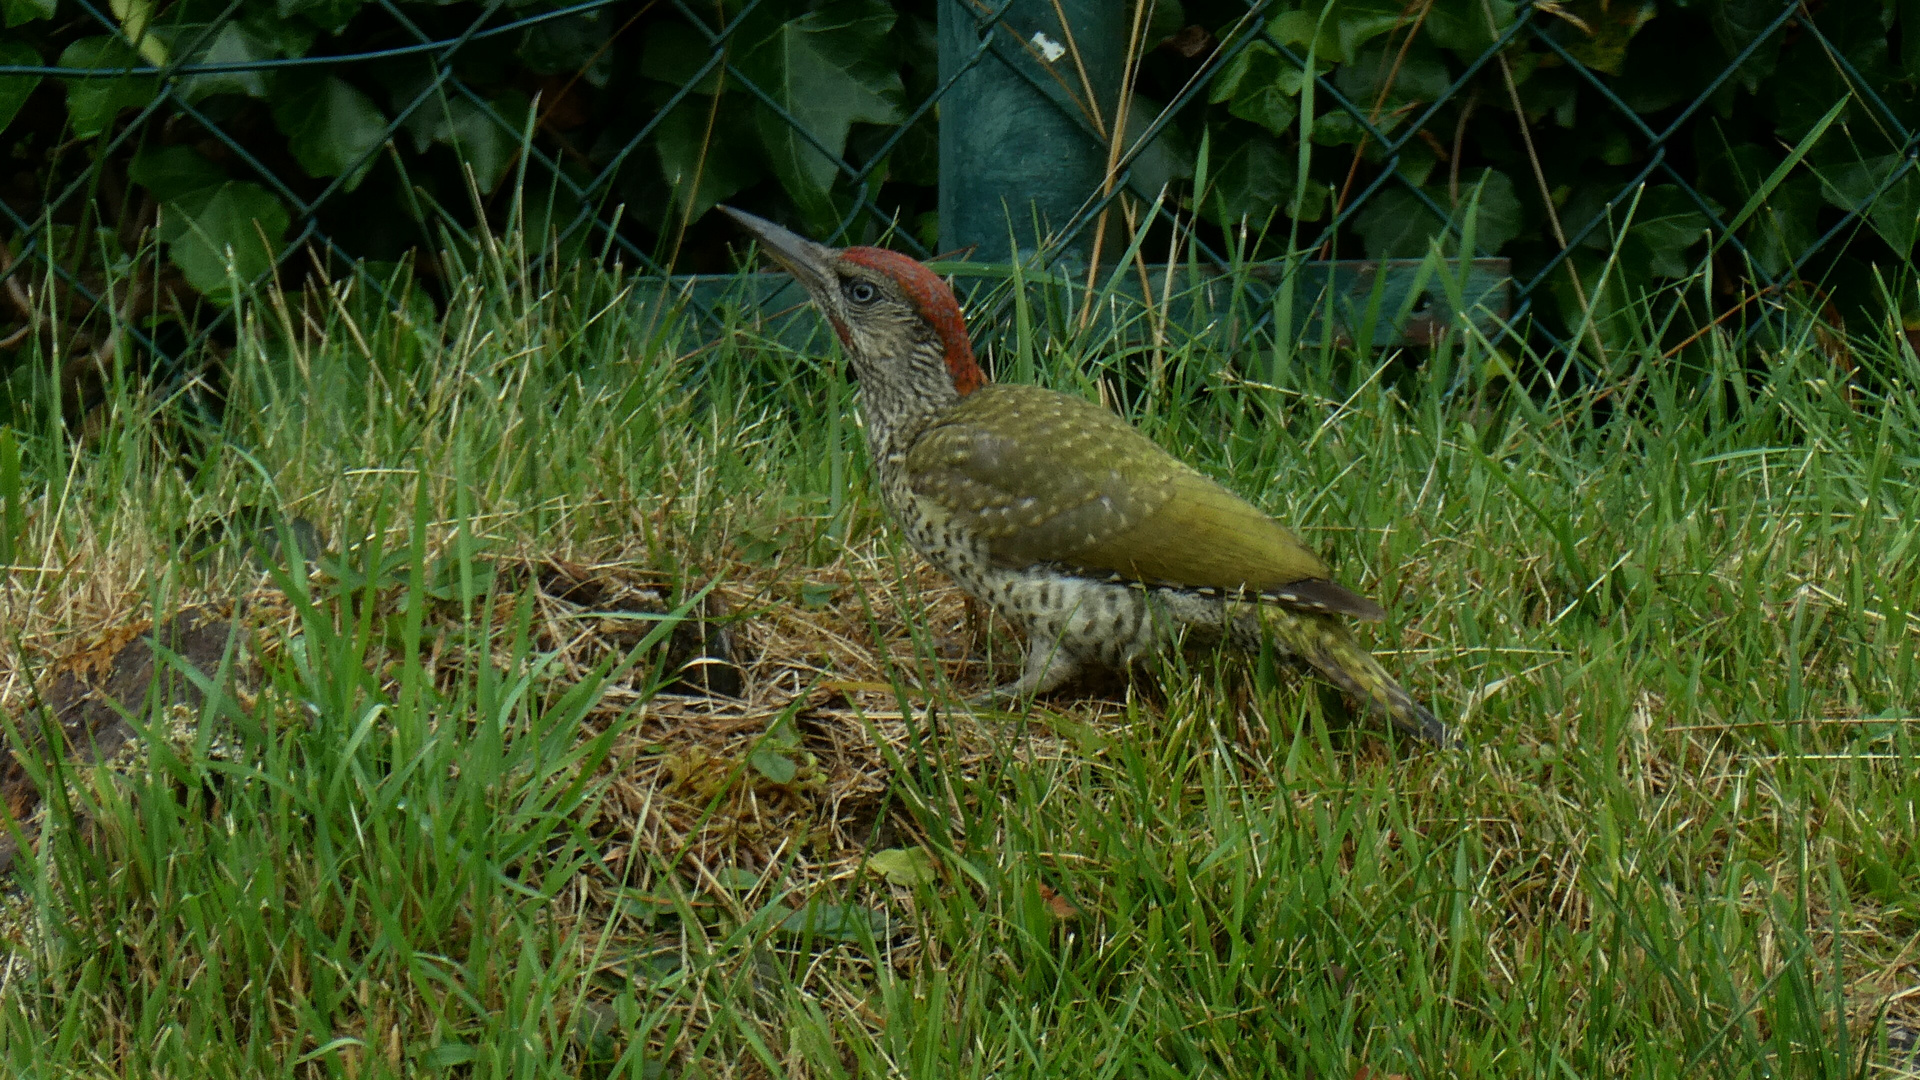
1324 642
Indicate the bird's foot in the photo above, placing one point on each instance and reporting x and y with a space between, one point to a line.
1047 667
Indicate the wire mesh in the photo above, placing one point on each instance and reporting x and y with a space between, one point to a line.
243 141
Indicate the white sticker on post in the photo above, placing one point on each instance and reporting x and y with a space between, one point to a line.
1048 47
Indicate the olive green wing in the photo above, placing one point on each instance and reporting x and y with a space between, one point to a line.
1046 477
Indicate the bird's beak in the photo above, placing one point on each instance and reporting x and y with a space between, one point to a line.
809 263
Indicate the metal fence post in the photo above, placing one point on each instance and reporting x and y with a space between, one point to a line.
1016 138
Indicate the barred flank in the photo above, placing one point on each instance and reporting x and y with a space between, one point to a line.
1324 642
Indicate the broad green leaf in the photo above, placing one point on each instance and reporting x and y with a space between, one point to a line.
21 12
1397 224
330 126
826 71
1895 211
1338 127
233 44
1666 223
1461 26
1785 225
136 21
1498 216
329 15
904 866
1418 75
1254 180
1342 26
174 172
226 233
485 144
1259 85
92 104
574 44
15 88
704 170
1607 299
1610 25
1737 24
451 582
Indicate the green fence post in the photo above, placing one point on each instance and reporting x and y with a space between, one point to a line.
1015 138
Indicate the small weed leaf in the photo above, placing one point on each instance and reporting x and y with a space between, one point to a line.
904 866
774 765
835 922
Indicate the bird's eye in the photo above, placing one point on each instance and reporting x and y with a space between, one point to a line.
861 292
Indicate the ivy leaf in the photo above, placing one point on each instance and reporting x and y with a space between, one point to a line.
1610 26
329 15
1254 180
1665 225
1736 24
1497 217
1337 34
1460 26
330 126
174 172
703 171
14 89
22 12
236 224
1418 74
825 71
1785 226
1895 215
1396 224
92 104
1259 85
575 44
211 224
232 45
487 145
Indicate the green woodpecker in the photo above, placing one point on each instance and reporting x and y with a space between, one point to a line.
1103 547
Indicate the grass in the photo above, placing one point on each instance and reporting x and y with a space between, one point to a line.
432 817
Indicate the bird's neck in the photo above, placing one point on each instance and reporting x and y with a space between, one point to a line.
894 423
899 398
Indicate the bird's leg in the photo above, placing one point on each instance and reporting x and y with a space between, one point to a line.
1048 666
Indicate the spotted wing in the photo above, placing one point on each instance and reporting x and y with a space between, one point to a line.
1046 477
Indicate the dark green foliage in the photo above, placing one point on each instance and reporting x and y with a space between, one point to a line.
218 136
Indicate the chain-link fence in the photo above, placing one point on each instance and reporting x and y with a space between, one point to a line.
1570 159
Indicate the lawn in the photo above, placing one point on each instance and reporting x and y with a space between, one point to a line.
454 802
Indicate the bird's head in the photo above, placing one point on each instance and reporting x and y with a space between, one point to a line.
898 320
